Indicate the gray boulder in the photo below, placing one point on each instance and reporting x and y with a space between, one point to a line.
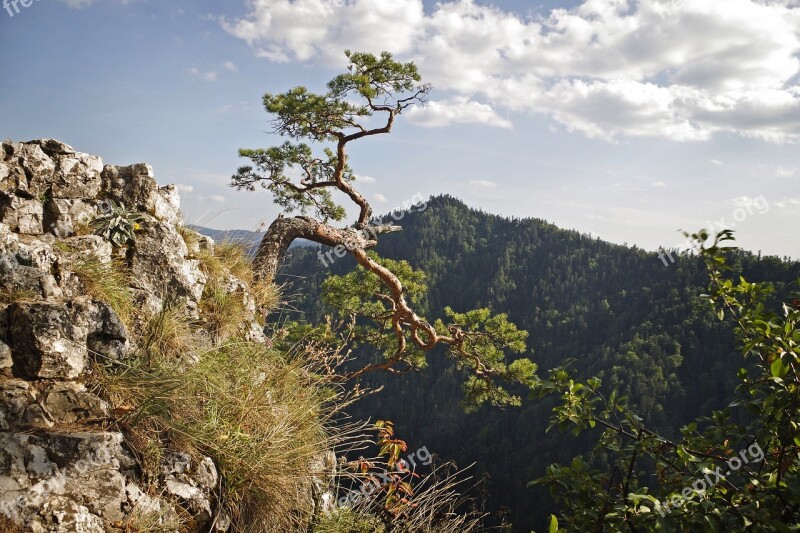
51 340
22 215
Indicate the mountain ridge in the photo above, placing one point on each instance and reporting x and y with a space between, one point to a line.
619 312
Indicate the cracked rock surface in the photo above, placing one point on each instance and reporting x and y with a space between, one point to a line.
64 466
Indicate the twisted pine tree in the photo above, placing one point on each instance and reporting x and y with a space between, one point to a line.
380 291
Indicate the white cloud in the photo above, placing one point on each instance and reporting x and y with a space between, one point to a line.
459 110
209 75
483 183
184 188
716 162
784 172
216 198
788 202
282 30
678 69
364 179
378 197
230 66
658 184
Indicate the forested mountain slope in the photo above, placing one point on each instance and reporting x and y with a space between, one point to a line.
619 312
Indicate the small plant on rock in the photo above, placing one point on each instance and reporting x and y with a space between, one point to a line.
117 224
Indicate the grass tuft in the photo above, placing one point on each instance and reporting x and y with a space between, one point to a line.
344 520
168 334
261 416
108 283
223 308
190 237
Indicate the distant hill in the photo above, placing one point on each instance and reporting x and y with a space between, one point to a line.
618 311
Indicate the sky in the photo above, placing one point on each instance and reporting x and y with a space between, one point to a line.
621 119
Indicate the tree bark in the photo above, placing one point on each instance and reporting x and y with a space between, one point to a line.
283 231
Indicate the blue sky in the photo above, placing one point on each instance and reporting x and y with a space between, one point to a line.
629 120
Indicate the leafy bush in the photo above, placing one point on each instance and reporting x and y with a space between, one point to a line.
738 469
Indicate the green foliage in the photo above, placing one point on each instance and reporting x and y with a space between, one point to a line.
486 337
478 339
737 469
358 300
625 317
273 163
373 84
118 225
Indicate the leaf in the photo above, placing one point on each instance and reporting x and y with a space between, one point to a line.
553 524
778 369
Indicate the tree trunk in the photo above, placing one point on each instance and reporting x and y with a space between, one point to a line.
283 231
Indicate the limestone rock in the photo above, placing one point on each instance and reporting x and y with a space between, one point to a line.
16 397
22 215
37 252
84 247
6 362
30 169
50 340
133 186
53 147
193 489
159 263
62 515
256 334
20 281
77 176
167 207
108 338
69 403
42 476
63 215
206 243
206 474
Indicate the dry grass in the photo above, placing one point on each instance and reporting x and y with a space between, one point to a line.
145 520
223 309
9 295
226 258
168 334
261 416
344 520
190 237
437 506
108 283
